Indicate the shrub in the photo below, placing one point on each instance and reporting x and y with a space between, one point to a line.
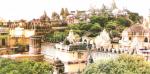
8 66
125 64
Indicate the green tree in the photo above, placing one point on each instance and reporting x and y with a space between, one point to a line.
66 42
56 36
74 26
111 25
85 26
102 20
135 17
123 21
8 66
59 35
114 33
125 64
96 27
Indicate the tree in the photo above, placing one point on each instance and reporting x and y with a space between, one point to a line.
111 25
85 26
123 21
114 33
102 20
1 23
8 66
95 27
74 26
60 36
66 42
135 17
125 64
56 36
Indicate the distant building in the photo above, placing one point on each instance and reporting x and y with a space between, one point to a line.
20 35
138 34
139 31
75 16
116 11
4 37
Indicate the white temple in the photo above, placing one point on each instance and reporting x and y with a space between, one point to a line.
102 40
71 37
136 44
125 39
116 11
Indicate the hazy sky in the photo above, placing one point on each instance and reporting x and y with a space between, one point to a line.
29 9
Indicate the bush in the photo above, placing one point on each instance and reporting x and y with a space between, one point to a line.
125 64
8 66
115 33
96 27
55 37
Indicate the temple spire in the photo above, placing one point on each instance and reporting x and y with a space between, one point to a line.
114 6
45 13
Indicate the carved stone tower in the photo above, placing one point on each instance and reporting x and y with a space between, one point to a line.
114 6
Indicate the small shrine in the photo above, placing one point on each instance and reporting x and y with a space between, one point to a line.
125 41
71 37
103 40
58 67
71 43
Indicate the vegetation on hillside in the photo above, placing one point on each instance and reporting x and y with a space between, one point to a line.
104 19
99 19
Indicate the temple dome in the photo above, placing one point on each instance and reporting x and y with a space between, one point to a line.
119 12
137 29
45 17
2 20
116 11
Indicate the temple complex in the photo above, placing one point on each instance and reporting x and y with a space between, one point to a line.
103 40
4 37
45 38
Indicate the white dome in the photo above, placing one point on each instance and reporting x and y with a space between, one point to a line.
2 20
116 11
103 39
119 12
